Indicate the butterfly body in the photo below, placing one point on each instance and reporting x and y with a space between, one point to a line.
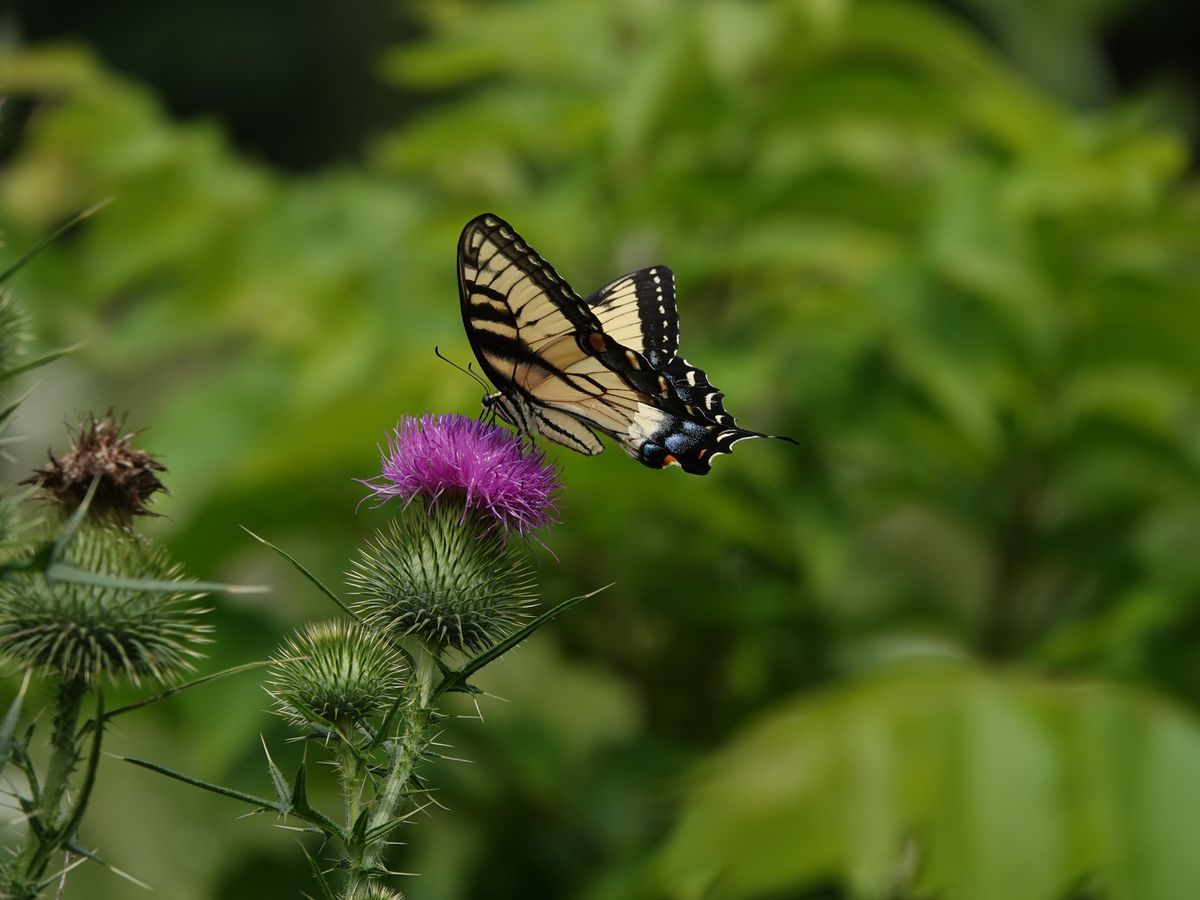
566 367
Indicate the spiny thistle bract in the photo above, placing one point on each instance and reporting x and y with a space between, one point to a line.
83 631
338 672
434 575
375 892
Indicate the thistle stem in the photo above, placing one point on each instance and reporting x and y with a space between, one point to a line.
406 752
353 777
46 823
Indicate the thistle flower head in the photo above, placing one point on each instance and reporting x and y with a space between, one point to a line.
435 576
128 477
336 672
486 466
84 630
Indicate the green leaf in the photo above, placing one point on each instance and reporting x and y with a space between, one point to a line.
305 810
993 785
59 547
386 725
38 362
71 825
8 728
379 832
257 802
73 847
63 572
41 245
358 833
299 790
303 571
456 680
14 406
282 791
327 892
301 810
179 688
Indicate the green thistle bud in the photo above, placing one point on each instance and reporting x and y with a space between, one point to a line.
337 671
443 576
82 631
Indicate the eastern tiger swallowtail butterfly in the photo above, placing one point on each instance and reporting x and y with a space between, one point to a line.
564 366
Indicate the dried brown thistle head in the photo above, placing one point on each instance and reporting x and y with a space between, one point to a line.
127 476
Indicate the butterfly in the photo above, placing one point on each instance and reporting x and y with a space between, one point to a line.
566 367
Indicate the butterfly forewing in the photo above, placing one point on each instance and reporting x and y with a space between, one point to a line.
514 304
532 333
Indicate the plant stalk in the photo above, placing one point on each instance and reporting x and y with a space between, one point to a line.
406 753
45 834
353 776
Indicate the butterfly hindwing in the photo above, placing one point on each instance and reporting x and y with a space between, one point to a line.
704 432
693 387
638 311
565 429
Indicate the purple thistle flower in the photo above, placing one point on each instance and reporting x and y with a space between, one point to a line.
483 464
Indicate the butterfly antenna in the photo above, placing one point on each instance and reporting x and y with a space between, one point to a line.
487 388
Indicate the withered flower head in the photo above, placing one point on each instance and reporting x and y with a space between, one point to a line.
127 476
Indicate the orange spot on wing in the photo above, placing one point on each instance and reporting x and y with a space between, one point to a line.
669 460
701 453
597 342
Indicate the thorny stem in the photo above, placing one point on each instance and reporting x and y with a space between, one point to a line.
406 753
352 774
45 836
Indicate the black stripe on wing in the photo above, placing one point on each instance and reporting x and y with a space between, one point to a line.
544 348
526 324
509 270
692 386
565 429
638 311
566 366
705 431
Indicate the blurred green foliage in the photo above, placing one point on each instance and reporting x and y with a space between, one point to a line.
976 306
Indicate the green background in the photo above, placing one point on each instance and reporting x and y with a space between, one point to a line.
946 648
